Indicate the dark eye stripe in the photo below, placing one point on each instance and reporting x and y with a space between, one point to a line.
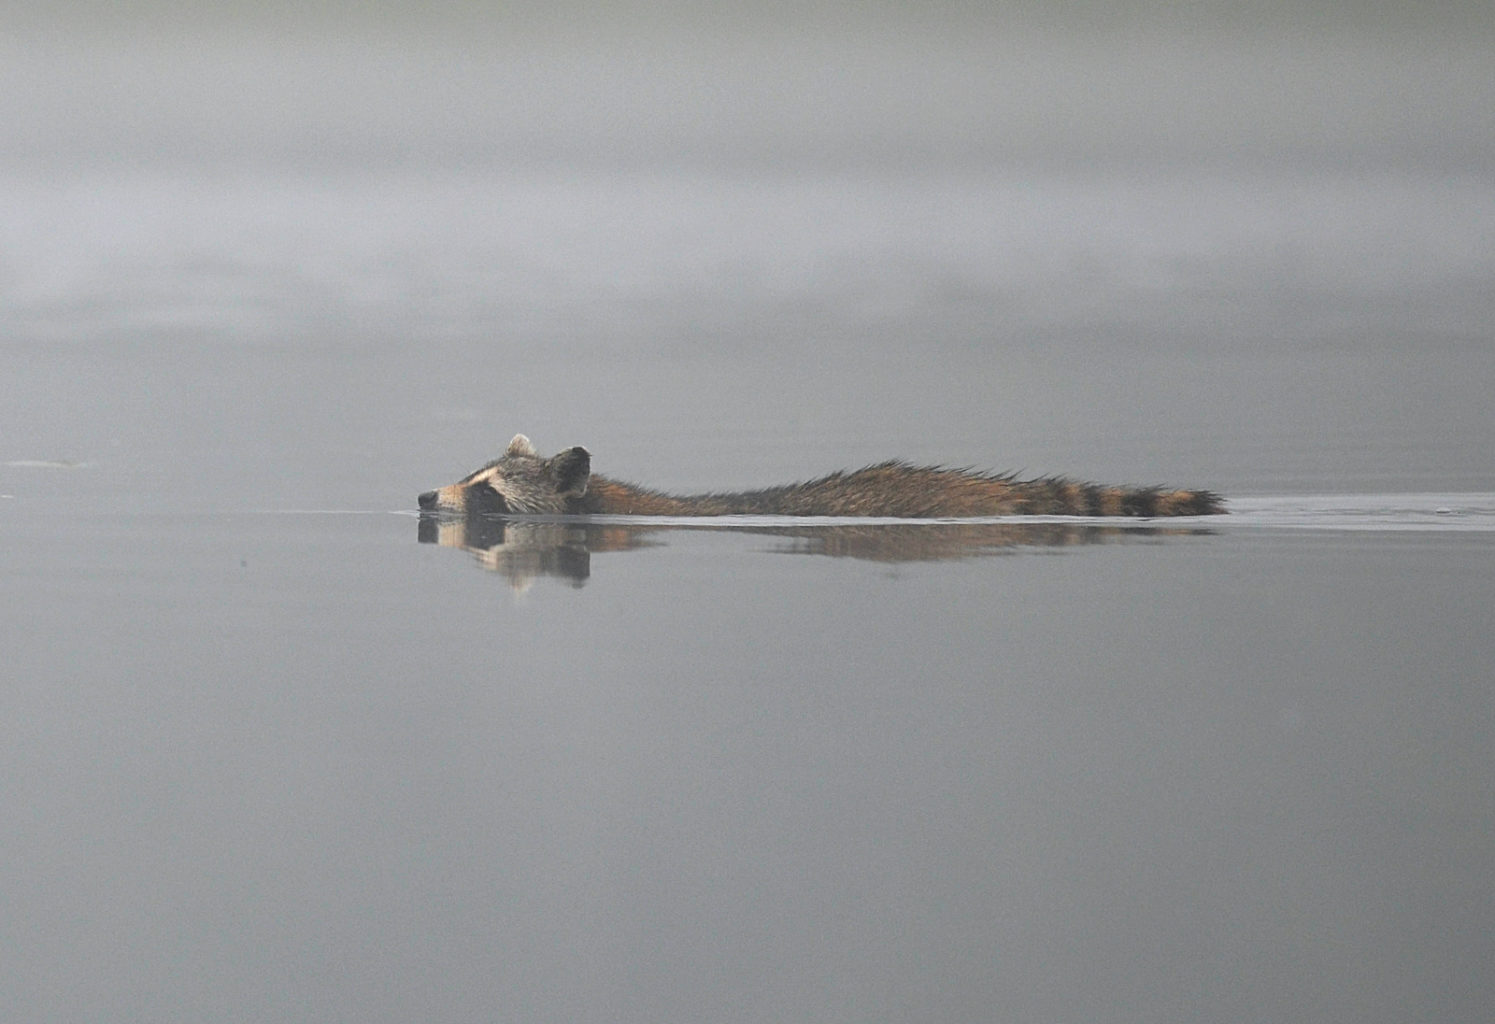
492 497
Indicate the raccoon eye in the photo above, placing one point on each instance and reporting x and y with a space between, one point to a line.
491 499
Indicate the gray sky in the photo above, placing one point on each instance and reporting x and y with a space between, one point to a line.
374 83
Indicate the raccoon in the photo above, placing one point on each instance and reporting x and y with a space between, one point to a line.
521 482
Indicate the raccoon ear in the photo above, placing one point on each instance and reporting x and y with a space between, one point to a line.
571 470
520 446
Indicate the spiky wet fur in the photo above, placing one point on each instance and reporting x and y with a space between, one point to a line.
521 482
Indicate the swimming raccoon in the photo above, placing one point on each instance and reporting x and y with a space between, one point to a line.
521 482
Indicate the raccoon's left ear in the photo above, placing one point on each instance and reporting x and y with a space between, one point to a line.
571 470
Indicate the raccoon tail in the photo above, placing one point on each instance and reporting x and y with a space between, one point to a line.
1068 498
1189 503
1156 501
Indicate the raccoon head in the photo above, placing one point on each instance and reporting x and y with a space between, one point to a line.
519 482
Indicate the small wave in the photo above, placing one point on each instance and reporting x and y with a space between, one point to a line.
1427 512
46 464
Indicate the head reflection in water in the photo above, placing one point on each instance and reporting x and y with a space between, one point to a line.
521 550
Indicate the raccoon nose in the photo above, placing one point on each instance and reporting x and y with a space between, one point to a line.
427 500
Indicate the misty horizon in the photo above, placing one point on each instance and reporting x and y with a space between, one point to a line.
1140 85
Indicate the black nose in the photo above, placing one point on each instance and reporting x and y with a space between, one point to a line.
427 500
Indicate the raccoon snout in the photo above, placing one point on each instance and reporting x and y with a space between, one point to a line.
427 500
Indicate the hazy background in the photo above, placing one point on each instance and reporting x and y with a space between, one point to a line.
1247 245
763 85
262 763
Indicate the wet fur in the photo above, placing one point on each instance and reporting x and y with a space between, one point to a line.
521 482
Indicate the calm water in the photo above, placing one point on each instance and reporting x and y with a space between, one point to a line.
302 767
276 748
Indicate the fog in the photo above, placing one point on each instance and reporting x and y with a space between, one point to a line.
786 85
269 270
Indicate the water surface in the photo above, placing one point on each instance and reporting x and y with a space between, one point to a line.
300 766
277 748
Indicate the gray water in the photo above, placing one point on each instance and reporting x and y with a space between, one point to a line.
277 748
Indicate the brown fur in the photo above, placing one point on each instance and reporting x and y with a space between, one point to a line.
521 482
